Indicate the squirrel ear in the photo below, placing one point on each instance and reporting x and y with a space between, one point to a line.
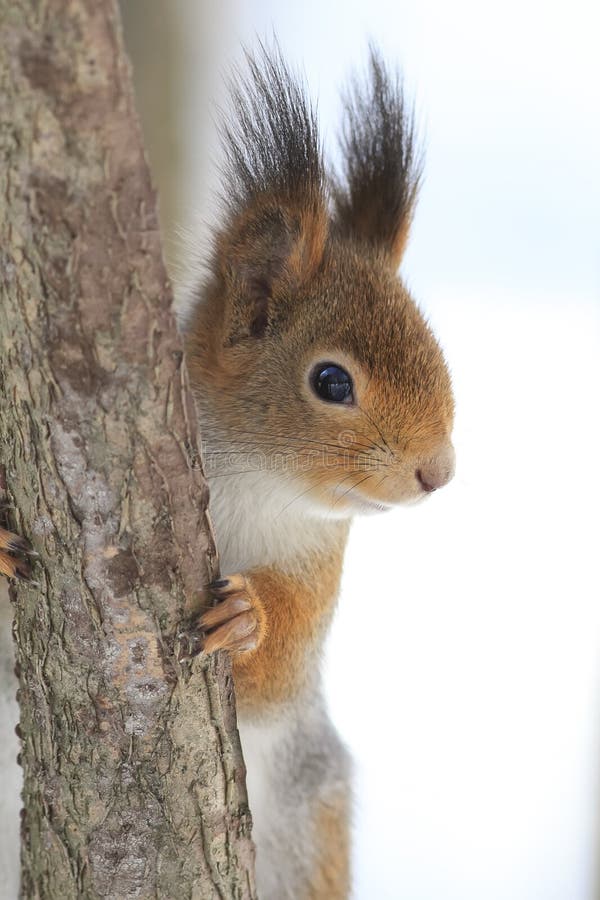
375 200
268 252
276 224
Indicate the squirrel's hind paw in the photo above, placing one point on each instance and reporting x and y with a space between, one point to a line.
12 547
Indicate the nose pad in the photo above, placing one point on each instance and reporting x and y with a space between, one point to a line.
436 471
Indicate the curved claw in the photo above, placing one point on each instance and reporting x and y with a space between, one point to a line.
14 566
15 543
232 623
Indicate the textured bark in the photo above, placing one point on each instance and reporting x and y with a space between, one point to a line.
133 777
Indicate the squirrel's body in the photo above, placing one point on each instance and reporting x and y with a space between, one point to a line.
322 393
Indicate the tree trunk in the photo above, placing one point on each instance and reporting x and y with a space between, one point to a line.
133 777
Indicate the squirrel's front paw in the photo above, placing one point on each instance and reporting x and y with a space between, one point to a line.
237 621
12 548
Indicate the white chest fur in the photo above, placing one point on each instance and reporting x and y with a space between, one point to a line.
262 520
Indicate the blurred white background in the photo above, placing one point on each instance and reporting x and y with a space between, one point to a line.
464 666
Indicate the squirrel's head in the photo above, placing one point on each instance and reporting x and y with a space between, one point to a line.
310 360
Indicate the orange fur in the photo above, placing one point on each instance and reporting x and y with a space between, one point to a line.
291 615
331 878
297 611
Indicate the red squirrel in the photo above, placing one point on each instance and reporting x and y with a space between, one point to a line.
322 394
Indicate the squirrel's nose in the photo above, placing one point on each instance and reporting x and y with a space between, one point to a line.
437 471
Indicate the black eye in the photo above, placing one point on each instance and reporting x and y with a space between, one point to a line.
332 383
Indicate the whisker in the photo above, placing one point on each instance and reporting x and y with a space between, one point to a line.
299 440
352 487
302 494
297 463
282 446
338 452
248 401
380 482
233 472
378 429
294 459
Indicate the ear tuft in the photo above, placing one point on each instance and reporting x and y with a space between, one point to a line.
276 217
270 137
382 165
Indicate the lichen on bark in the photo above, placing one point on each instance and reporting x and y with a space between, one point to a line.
133 776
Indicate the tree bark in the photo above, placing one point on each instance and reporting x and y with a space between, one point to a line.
133 776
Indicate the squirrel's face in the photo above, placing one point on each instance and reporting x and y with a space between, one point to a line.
342 398
311 362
